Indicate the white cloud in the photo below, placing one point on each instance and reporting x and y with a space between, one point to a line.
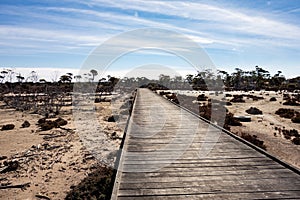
246 22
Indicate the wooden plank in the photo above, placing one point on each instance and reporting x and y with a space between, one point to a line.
193 190
221 196
286 184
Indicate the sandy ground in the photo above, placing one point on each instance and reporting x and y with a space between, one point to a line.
264 126
52 161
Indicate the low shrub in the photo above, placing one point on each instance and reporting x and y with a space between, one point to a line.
202 97
25 124
61 122
8 127
97 185
164 93
231 121
46 125
296 119
296 141
254 111
237 99
254 140
113 118
291 102
286 113
288 134
228 104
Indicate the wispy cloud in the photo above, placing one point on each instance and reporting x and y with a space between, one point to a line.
215 17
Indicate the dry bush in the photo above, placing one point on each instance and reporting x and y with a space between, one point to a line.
25 124
113 118
8 127
237 99
254 111
296 141
286 113
97 185
291 102
296 119
254 140
49 124
202 97
253 97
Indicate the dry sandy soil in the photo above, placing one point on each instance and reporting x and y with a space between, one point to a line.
263 126
52 161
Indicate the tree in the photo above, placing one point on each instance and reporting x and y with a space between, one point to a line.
54 76
94 73
20 78
67 78
33 77
78 78
3 75
10 74
189 78
261 76
164 80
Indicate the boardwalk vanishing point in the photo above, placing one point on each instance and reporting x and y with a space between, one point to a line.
169 153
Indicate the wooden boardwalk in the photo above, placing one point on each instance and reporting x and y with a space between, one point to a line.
169 153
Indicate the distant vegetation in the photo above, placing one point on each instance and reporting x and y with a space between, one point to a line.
256 79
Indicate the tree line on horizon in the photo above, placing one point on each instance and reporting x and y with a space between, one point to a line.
256 79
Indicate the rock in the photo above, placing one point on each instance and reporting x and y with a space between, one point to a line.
7 127
25 124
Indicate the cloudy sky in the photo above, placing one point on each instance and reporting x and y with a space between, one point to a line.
60 34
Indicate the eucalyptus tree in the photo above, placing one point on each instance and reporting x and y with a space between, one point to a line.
94 74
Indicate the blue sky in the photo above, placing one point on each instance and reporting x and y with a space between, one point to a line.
234 33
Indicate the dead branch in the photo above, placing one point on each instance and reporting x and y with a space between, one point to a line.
42 196
21 186
66 129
